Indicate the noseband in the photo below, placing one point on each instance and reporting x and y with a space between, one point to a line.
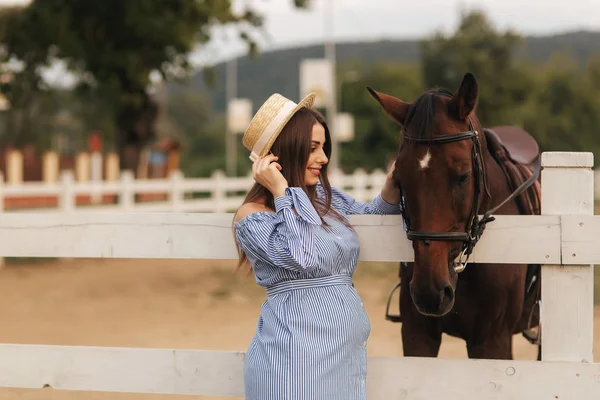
476 225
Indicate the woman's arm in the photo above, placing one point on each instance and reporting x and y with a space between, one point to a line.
386 202
285 238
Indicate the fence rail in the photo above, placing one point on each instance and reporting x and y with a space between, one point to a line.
218 193
564 240
176 193
210 236
220 373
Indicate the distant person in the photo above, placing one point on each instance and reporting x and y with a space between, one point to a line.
311 336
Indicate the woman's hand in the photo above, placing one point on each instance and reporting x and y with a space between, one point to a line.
266 171
390 192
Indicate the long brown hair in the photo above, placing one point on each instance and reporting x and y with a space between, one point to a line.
293 146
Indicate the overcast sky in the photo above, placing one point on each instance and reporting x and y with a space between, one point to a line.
285 26
393 19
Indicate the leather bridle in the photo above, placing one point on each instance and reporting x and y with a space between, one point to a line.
476 225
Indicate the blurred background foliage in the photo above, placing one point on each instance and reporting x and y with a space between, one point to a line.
547 84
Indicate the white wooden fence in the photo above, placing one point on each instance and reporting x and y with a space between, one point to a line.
565 239
218 193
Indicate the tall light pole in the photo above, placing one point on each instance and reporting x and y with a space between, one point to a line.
230 137
329 33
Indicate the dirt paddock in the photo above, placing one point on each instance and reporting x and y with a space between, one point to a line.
168 304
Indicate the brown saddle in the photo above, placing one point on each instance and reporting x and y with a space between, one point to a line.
521 146
516 151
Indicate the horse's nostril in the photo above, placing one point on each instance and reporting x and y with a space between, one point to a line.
448 293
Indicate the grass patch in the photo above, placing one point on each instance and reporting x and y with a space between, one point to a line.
17 261
220 293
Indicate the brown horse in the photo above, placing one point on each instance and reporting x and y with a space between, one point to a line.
451 171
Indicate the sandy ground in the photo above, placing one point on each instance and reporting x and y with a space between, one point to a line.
165 303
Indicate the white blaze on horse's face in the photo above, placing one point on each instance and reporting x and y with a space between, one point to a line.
424 162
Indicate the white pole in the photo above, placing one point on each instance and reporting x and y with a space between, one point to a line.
568 290
329 32
230 137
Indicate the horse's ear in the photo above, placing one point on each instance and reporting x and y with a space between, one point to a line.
465 98
395 108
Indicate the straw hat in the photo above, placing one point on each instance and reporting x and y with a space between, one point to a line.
268 122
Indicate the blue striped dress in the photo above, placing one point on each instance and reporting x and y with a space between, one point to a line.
311 336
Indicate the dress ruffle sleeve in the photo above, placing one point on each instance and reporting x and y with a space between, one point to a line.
285 238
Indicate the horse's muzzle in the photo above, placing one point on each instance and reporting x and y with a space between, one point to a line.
430 302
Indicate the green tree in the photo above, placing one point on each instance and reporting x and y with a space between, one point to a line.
477 47
377 137
113 46
592 71
200 131
564 111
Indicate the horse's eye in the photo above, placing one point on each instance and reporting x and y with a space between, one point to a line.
463 178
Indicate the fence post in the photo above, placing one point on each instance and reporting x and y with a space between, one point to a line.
14 167
359 186
2 183
112 167
2 261
336 177
377 180
82 167
68 199
567 315
50 166
127 195
219 194
96 177
177 194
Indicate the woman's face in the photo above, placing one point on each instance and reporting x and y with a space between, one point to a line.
317 157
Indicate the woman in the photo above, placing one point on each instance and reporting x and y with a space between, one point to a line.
310 341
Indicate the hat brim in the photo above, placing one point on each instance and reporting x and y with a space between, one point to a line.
306 102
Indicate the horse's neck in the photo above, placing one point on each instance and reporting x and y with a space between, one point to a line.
497 183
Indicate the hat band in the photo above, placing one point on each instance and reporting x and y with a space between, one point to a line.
271 128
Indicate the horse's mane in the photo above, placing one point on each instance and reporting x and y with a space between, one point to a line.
421 115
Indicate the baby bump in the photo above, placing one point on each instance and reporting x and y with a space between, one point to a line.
331 313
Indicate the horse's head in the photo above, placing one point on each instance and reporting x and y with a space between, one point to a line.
439 170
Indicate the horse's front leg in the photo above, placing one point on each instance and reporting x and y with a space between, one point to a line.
421 335
499 297
494 345
491 334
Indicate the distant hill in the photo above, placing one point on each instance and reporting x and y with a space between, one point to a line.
278 71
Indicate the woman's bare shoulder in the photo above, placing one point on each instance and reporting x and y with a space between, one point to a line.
250 208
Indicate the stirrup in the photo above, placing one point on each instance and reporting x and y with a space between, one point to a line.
388 316
529 334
